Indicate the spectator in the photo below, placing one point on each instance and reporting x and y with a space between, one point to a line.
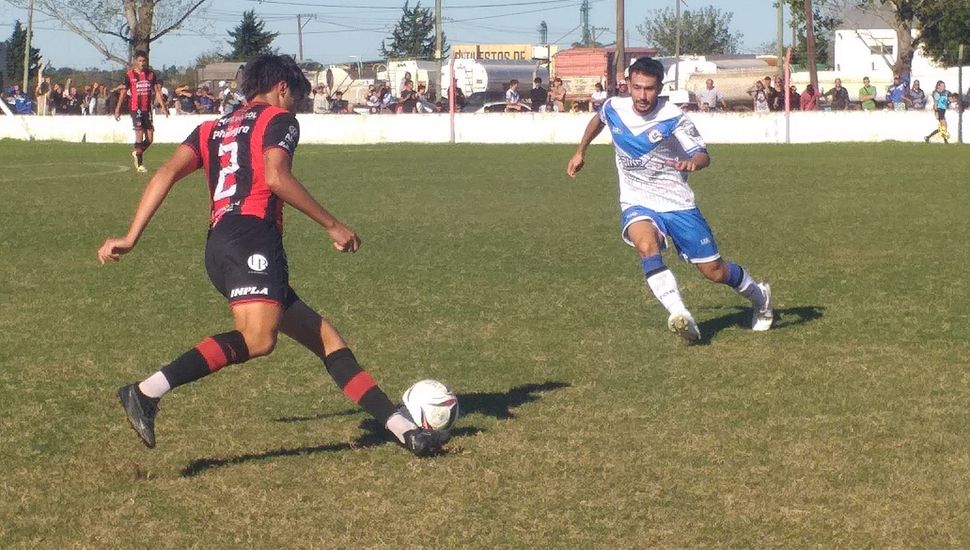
373 100
207 102
867 95
771 95
42 91
459 95
780 94
839 96
809 99
73 100
512 98
388 103
339 105
166 95
557 93
421 102
185 101
794 98
408 100
232 98
896 94
539 96
116 95
598 97
407 78
621 88
55 98
917 97
759 98
321 100
710 98
19 102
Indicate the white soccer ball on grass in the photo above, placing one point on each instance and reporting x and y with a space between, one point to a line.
433 406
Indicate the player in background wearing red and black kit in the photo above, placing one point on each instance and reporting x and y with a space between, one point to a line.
246 156
143 92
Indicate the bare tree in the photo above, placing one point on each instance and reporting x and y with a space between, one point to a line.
118 27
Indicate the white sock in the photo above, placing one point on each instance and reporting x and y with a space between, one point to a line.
749 289
664 287
398 424
155 385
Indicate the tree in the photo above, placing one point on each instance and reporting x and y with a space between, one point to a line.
944 28
413 36
703 31
249 39
824 22
116 28
15 54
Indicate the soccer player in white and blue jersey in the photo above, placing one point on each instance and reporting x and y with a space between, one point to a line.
657 146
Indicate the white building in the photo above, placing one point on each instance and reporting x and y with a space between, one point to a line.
865 44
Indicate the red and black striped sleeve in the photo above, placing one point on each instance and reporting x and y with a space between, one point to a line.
194 142
283 131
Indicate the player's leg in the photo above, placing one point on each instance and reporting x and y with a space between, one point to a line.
256 325
648 241
738 278
317 334
137 148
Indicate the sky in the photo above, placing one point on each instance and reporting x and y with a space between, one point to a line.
339 32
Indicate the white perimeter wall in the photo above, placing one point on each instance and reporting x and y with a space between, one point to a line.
810 127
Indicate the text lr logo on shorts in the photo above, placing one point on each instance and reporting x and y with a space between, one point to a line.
257 262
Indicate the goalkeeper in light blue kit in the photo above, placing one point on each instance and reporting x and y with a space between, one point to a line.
656 148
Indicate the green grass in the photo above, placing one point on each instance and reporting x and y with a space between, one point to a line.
585 424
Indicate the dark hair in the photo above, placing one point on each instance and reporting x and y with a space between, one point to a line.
263 72
140 53
513 82
648 66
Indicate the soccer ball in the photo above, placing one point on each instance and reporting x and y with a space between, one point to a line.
432 405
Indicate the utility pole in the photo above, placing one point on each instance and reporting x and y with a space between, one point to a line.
677 48
619 63
30 31
780 50
437 46
299 29
584 23
543 33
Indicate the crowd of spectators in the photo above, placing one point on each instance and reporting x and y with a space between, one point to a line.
767 94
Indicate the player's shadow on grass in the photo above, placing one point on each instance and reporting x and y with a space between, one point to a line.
495 404
741 317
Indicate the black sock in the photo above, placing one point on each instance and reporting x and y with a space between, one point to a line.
210 355
358 385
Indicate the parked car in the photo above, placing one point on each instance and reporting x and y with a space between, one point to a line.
489 102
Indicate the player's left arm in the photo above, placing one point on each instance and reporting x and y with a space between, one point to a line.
183 162
696 150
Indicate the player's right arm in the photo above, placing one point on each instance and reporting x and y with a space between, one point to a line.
282 182
183 162
593 129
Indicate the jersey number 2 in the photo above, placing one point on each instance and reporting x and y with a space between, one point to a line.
229 159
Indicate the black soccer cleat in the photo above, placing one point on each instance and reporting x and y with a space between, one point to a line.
424 443
141 411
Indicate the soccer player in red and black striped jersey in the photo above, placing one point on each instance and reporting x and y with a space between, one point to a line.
246 157
143 92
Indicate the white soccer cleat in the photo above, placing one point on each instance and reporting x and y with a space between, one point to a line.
764 316
141 168
683 325
134 159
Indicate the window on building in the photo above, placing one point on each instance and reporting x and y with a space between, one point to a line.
881 49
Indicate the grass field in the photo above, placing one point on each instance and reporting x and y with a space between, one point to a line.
585 424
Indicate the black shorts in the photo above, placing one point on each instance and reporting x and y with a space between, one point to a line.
142 120
941 114
245 260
